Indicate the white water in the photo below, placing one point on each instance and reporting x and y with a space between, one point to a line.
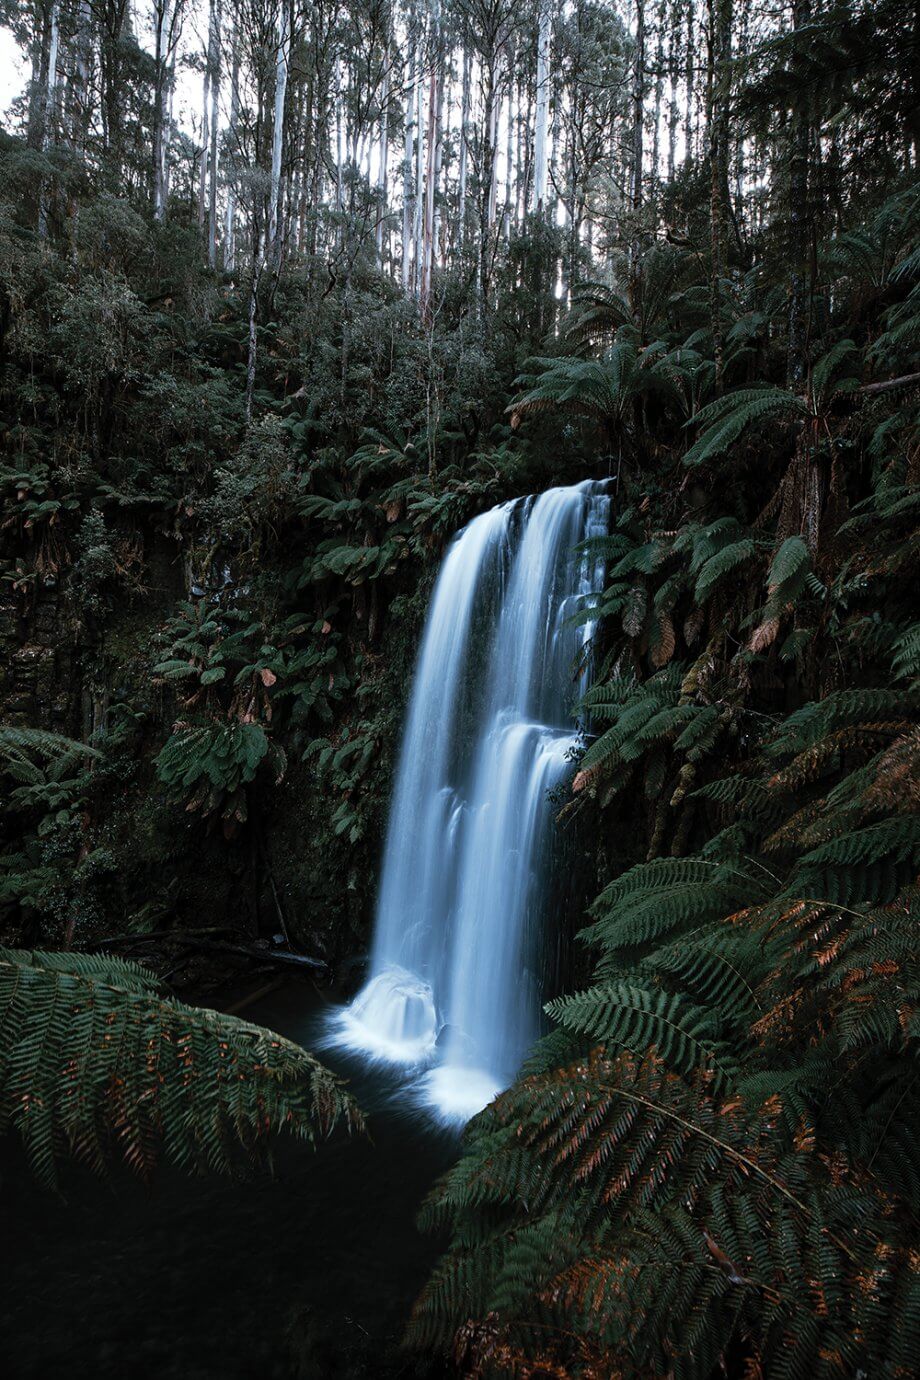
455 989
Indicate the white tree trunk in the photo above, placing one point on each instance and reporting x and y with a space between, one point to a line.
492 156
418 220
50 104
81 100
408 168
162 27
689 83
53 54
230 211
437 232
509 162
214 25
339 141
638 101
205 127
282 61
540 158
384 150
433 159
464 147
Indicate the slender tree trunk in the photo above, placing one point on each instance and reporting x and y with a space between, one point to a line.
49 109
170 125
464 147
282 62
419 194
444 227
38 79
214 28
659 95
309 123
51 87
540 161
487 208
673 108
638 107
690 83
384 150
509 159
80 97
205 129
638 134
339 141
437 228
168 15
252 350
494 122
522 155
233 137
719 39
409 163
434 143
796 361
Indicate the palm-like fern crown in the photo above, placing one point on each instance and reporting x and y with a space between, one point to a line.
607 390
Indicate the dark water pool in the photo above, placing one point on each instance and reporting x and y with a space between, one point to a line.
307 1274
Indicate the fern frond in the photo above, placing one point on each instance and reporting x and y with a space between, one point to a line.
647 1020
726 420
110 1071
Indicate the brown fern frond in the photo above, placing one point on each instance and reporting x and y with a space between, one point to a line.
896 785
857 740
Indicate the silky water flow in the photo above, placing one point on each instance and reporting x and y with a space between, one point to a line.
455 991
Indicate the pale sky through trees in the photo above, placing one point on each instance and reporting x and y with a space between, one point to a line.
187 107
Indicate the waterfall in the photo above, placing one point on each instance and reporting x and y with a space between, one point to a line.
455 988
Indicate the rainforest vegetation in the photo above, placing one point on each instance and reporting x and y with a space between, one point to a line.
289 292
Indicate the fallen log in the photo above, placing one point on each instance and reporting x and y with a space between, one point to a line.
281 956
888 385
198 941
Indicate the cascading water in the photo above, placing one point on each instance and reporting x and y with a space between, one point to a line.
454 985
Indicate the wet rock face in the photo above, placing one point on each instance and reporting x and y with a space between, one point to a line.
57 669
36 665
9 641
75 659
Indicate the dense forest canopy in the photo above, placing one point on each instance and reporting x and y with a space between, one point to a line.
290 292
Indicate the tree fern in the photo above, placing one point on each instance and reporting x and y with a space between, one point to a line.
95 1062
641 1019
727 419
709 1230
742 1169
723 563
905 660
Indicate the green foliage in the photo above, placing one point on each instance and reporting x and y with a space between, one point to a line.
727 419
603 390
209 766
638 1018
711 1165
96 1063
44 765
346 769
48 782
740 1172
612 1198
